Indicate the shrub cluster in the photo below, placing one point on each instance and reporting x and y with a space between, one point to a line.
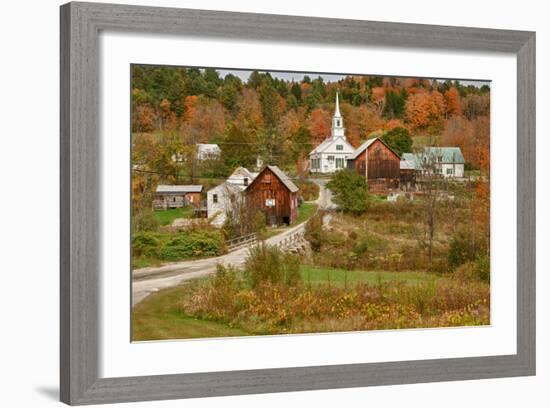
309 191
183 245
269 264
270 308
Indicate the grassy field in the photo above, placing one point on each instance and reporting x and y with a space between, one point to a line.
339 277
159 317
166 217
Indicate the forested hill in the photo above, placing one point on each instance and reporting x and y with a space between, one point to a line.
282 120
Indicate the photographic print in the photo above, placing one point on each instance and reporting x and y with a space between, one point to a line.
270 203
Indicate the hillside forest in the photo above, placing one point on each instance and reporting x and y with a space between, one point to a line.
280 120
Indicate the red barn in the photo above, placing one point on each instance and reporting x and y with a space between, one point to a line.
375 160
273 193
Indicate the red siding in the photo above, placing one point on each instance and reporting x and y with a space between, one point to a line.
267 186
383 163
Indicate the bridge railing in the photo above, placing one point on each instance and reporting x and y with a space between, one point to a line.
239 242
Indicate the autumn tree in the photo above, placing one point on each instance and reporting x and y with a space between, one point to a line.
452 99
205 121
319 125
424 110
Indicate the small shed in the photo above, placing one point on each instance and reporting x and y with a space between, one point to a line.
176 196
273 193
409 167
375 160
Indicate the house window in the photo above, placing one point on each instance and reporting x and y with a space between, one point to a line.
313 162
270 202
330 158
449 171
339 147
214 198
340 163
245 181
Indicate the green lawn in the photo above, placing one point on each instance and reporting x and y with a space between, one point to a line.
166 217
315 274
305 211
157 317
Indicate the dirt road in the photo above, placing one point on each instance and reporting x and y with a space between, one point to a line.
149 280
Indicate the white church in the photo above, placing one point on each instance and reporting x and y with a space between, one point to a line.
332 154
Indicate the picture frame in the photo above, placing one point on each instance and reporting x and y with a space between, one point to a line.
80 234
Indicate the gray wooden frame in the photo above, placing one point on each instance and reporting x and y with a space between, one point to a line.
80 191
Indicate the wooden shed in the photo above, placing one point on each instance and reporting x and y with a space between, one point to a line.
273 193
375 160
176 196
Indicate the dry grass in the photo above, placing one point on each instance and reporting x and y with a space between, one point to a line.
277 308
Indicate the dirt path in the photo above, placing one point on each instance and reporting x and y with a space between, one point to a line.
325 195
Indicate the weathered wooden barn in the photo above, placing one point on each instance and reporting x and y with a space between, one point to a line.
176 196
375 160
273 193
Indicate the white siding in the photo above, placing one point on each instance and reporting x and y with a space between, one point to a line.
452 170
217 210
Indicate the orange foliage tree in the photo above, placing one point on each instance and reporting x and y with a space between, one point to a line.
452 98
319 125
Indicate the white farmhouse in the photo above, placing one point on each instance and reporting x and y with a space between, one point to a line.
220 199
332 154
208 151
242 177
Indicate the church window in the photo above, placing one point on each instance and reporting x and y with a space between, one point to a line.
339 147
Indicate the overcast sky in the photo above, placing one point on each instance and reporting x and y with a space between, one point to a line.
298 76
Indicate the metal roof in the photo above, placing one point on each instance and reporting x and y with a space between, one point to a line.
175 189
412 159
447 154
287 182
362 148
208 147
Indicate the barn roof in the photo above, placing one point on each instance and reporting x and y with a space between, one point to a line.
175 189
284 178
362 148
366 145
287 182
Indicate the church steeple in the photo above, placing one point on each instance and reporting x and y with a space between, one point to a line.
338 129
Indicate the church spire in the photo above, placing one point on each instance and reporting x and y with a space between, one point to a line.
337 122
